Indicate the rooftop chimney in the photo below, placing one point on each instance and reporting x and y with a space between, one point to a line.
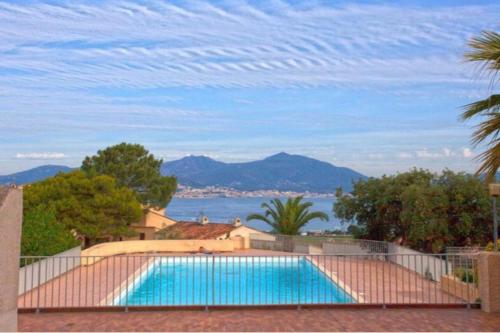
237 222
204 219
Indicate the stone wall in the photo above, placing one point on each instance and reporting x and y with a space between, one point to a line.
11 214
489 281
148 246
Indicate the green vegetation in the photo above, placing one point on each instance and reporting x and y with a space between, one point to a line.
486 51
467 275
288 218
42 235
93 207
490 247
133 166
419 209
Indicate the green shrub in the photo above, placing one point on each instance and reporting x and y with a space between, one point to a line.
467 275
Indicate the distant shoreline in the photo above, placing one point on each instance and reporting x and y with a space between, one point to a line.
185 192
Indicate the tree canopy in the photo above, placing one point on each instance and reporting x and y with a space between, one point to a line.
133 166
420 209
93 207
42 235
287 218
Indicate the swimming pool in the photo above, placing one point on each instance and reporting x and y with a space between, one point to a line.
214 280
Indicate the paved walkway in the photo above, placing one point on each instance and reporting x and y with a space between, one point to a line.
267 320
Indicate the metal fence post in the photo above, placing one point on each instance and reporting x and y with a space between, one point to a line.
126 284
298 284
39 263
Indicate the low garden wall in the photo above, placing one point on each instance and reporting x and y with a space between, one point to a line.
148 246
463 290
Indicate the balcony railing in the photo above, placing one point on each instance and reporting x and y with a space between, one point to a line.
270 279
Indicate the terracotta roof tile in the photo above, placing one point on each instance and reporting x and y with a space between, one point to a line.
196 230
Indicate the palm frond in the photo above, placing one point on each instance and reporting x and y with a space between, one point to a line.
490 162
488 129
287 218
488 105
486 49
260 218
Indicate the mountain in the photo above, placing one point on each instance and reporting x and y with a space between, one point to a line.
33 175
282 172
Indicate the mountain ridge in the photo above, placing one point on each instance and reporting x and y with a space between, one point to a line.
281 171
33 175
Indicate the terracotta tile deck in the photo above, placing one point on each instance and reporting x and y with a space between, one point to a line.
267 320
369 281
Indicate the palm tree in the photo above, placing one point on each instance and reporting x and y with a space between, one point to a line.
486 50
288 218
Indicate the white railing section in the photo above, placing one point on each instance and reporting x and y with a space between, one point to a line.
38 270
424 264
211 280
316 244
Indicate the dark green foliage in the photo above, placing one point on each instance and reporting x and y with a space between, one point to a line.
133 166
467 275
288 218
42 235
93 207
419 209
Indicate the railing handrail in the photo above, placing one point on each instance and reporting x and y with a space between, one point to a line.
298 279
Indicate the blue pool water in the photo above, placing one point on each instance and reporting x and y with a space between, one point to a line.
211 280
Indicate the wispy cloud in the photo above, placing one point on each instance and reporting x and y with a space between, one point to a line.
156 44
370 79
40 156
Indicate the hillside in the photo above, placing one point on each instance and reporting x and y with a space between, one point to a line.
33 175
282 172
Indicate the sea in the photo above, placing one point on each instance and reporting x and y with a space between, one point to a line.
227 209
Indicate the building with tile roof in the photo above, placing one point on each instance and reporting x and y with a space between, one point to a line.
204 229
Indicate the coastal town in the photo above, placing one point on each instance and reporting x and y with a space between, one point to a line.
188 192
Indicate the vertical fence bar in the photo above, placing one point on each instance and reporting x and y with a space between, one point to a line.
126 283
298 286
207 280
429 279
239 280
86 277
32 281
422 277
377 286
332 278
25 270
106 290
193 280
39 263
113 281
161 277
435 284
252 280
383 284
214 281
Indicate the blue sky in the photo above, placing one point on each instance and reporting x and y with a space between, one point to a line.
372 85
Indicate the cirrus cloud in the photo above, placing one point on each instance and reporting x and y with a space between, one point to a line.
40 156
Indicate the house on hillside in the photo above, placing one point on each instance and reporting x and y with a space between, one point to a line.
151 222
204 229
